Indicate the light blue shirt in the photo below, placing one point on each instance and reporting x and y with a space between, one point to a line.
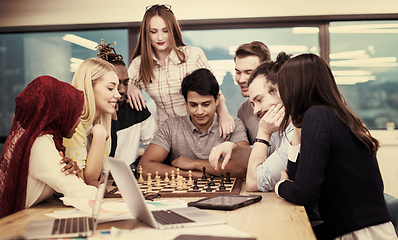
269 172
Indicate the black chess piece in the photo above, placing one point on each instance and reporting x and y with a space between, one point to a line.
204 173
228 178
222 185
195 185
212 181
134 170
208 189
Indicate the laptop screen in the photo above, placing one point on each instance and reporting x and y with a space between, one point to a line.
99 197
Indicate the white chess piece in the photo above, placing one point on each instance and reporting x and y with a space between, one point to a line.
149 180
179 183
173 180
190 181
166 178
140 179
158 184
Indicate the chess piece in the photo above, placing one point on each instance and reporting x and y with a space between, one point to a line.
204 172
184 184
158 184
173 179
195 185
141 179
190 182
166 178
149 180
179 183
222 185
228 178
149 189
212 181
178 173
156 175
208 189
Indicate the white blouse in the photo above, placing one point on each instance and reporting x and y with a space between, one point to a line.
45 175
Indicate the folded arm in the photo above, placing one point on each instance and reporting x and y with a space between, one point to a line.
153 160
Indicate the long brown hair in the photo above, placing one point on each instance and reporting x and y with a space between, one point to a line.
305 81
144 47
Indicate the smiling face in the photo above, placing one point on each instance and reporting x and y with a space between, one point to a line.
201 109
159 34
263 95
123 82
106 93
243 68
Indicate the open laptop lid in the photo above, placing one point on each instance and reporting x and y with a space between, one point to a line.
38 229
130 191
100 196
135 201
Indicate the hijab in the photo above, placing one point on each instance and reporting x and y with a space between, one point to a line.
45 106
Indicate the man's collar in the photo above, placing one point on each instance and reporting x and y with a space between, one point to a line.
213 127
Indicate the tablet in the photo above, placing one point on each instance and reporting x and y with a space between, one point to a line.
225 201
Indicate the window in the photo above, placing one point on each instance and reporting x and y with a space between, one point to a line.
219 47
363 58
23 57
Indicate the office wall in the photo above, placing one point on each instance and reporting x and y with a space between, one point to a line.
49 12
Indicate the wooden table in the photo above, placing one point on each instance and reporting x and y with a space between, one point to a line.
271 218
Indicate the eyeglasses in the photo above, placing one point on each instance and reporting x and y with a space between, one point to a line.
167 6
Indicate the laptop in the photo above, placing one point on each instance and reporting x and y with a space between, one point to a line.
69 227
162 219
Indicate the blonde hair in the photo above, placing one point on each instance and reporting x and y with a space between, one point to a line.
87 75
144 47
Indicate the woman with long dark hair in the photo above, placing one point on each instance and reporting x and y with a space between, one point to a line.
332 157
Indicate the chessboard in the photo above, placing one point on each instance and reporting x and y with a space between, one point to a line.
232 186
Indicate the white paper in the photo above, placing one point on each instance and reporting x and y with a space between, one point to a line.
110 210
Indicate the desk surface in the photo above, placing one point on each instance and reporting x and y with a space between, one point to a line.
271 218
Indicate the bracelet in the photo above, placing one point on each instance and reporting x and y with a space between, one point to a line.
262 141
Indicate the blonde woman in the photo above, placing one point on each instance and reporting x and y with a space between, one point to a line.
159 63
98 80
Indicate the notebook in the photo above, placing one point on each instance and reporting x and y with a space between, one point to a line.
69 227
164 219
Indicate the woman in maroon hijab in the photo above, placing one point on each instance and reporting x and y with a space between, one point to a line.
30 166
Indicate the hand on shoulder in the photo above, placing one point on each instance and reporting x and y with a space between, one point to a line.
135 97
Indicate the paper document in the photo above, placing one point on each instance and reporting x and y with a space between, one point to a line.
110 210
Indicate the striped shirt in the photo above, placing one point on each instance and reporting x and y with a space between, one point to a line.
166 84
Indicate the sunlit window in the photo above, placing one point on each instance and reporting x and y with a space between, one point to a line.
23 57
220 45
363 58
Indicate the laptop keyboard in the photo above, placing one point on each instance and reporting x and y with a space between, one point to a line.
166 217
72 225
